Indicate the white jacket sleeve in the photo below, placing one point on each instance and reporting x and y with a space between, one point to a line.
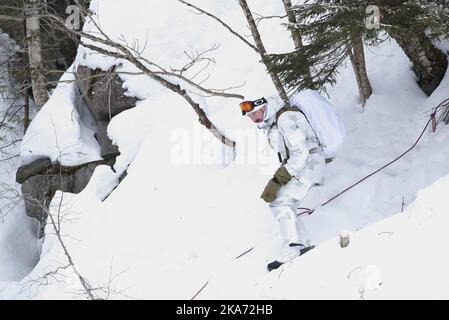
295 140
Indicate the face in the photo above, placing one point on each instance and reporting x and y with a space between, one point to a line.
257 116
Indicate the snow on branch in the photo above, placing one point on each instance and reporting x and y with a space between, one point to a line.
105 45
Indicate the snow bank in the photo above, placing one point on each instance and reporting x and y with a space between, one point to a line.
160 227
403 257
57 132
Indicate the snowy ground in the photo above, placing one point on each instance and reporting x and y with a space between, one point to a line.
403 257
184 212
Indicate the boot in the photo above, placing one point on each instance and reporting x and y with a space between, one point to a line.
289 253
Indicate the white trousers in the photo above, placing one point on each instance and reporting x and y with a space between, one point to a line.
289 198
284 208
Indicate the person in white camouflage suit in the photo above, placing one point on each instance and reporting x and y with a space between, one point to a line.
302 163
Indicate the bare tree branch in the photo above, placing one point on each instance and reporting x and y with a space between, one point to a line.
257 39
222 23
214 92
10 18
260 17
125 53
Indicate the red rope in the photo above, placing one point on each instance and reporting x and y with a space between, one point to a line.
444 104
199 291
432 120
241 255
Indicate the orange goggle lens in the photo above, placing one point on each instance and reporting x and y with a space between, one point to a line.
246 106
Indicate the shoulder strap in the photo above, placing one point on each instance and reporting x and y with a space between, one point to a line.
285 109
278 114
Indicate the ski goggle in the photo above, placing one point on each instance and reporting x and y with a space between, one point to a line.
249 106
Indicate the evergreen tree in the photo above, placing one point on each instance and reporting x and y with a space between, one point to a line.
415 25
331 31
334 30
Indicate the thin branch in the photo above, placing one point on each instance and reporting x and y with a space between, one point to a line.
204 120
222 23
10 18
257 39
261 17
126 53
208 91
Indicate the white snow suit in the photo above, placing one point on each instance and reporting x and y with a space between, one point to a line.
298 148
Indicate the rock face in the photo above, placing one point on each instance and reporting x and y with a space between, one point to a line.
34 168
103 92
41 179
99 93
102 95
81 177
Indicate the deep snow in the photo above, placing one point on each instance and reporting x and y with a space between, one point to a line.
185 211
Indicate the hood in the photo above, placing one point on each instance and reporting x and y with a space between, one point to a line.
274 104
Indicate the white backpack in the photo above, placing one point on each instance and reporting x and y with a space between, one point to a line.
323 118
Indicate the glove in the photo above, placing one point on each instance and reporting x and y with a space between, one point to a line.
271 189
282 176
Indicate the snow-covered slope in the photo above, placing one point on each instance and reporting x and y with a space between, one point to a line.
185 211
402 257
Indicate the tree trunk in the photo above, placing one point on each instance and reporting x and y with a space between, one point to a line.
259 44
445 116
357 56
296 36
33 32
429 62
26 116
